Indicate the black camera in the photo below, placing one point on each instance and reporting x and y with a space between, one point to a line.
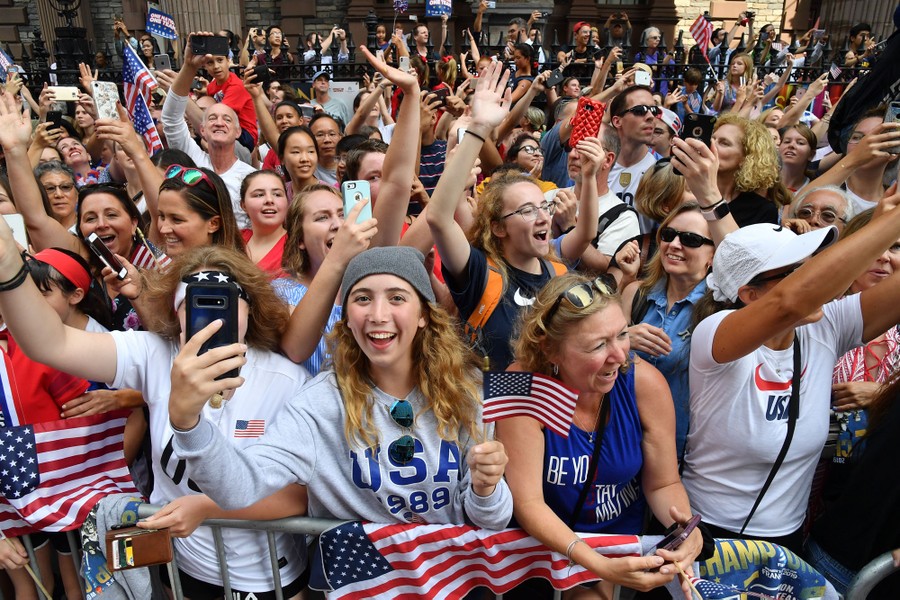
750 14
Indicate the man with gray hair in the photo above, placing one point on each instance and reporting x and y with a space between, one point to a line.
219 128
822 207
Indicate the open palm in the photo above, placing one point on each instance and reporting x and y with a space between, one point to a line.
15 126
491 100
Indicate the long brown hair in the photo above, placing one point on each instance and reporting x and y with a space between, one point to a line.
295 260
268 315
654 272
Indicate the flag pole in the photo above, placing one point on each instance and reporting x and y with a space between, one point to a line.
688 579
28 568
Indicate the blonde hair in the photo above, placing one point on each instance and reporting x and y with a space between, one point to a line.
268 315
539 338
445 372
446 71
295 260
759 168
748 68
659 191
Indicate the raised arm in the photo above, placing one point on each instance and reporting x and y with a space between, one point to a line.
593 157
15 134
479 17
518 111
490 105
401 158
267 127
365 107
785 75
122 132
874 146
38 329
792 115
822 278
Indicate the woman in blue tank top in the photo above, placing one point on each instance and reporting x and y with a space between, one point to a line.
577 332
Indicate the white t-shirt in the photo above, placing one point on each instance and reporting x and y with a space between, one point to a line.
739 422
857 203
623 228
144 363
623 182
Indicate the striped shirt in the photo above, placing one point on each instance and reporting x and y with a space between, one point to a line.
292 291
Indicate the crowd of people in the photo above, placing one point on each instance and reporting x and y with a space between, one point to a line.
713 267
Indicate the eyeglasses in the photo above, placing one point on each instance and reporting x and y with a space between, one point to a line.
327 134
642 109
188 176
653 37
529 212
402 450
688 239
581 295
826 215
65 188
532 150
758 280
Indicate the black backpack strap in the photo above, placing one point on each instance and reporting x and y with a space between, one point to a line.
793 415
640 304
608 218
592 469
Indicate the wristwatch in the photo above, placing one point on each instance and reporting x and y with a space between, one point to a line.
715 212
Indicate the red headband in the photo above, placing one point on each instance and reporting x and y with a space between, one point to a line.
70 268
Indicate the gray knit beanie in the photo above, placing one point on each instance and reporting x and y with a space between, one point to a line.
403 261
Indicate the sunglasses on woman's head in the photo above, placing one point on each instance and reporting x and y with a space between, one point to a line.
581 295
688 239
642 109
402 450
187 175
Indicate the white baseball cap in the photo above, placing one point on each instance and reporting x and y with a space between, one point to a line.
755 249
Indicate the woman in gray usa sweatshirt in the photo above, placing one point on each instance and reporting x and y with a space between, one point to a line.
392 432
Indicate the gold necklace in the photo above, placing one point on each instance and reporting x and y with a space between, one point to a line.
592 432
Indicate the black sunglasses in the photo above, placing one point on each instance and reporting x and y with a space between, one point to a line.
688 239
581 295
642 109
758 280
402 450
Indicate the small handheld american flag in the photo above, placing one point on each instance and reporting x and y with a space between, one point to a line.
517 394
701 31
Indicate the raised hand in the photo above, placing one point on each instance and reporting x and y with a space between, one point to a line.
15 125
352 238
490 103
405 81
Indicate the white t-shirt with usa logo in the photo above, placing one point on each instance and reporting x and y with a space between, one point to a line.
739 416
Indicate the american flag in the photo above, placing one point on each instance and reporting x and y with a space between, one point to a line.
401 6
9 414
516 394
145 258
53 473
252 428
834 71
139 84
701 31
369 560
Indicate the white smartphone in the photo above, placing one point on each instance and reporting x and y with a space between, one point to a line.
17 223
354 192
641 78
404 64
106 94
64 93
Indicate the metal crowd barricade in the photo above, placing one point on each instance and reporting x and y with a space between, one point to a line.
870 576
293 525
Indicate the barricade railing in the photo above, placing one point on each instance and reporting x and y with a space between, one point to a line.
291 525
870 576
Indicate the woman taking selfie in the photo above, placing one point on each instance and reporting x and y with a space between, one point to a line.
141 360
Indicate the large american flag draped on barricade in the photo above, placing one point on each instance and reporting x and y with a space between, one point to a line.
517 394
701 31
139 84
416 562
367 560
52 474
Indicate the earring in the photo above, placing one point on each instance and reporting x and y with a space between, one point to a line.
555 370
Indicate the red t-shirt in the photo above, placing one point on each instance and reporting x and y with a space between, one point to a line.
271 262
234 94
38 391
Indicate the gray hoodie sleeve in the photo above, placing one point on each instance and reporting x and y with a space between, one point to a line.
285 454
